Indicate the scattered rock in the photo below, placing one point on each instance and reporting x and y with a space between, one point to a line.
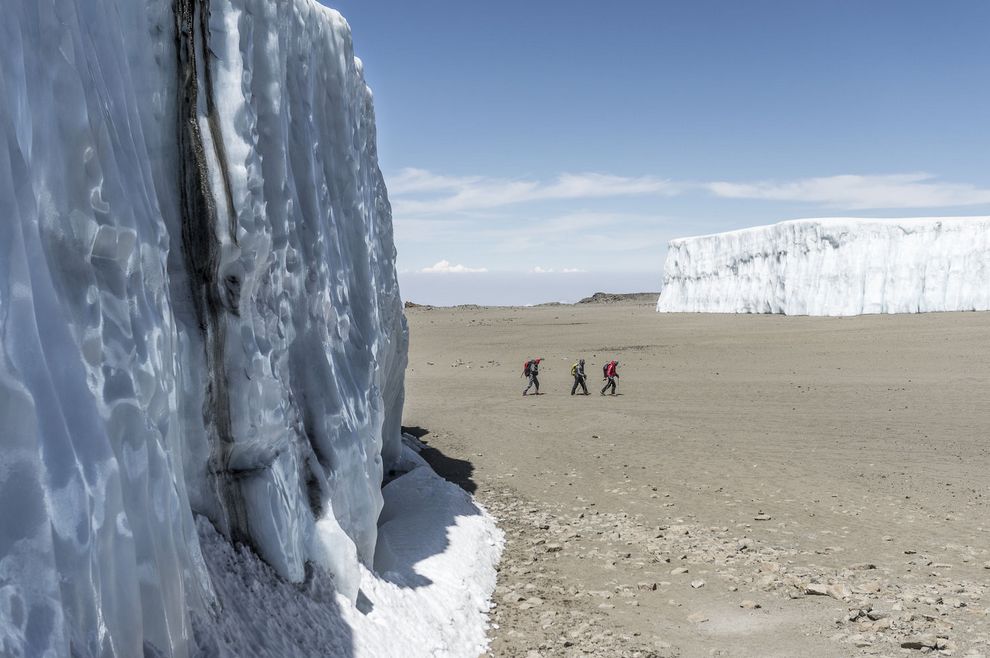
697 584
750 605
816 589
678 571
762 517
697 618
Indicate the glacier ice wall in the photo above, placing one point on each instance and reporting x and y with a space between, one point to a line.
835 266
199 311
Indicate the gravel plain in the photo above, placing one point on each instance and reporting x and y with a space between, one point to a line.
762 486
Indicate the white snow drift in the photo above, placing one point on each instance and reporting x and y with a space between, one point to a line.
199 315
837 266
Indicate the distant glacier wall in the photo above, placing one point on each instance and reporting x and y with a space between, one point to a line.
834 266
199 312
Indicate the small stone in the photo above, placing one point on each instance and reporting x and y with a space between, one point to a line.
919 642
762 517
554 548
697 618
816 589
697 584
945 645
839 591
871 587
860 641
678 571
750 605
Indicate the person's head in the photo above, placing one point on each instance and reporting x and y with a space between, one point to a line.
581 361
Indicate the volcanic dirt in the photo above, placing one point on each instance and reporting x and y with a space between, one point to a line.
761 486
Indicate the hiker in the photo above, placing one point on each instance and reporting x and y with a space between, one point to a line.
577 371
610 372
531 369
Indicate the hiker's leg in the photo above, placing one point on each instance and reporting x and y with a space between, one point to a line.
574 386
584 386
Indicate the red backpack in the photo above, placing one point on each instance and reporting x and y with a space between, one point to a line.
526 368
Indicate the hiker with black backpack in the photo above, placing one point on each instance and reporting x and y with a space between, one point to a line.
531 369
610 374
577 371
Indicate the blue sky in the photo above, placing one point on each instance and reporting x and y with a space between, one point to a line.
523 137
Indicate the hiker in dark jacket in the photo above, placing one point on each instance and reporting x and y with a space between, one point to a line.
532 370
611 373
577 370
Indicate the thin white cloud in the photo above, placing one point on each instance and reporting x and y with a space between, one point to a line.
918 190
421 192
445 267
412 180
550 270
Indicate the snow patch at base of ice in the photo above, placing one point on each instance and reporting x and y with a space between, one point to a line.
439 549
833 266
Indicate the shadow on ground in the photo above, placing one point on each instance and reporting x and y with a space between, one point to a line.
458 471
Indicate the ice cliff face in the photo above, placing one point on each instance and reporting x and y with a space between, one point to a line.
836 266
198 312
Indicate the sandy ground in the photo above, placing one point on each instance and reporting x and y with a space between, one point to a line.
763 486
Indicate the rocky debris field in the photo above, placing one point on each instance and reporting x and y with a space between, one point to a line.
543 610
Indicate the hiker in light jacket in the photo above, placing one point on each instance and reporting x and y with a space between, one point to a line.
577 371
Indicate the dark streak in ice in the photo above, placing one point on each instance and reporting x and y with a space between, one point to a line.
201 252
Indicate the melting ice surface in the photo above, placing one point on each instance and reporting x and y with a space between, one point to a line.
838 266
202 344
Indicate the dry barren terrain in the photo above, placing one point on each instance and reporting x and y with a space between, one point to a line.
763 486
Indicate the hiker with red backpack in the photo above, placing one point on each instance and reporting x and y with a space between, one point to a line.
610 372
531 369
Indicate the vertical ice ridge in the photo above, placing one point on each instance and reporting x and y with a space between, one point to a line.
201 249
